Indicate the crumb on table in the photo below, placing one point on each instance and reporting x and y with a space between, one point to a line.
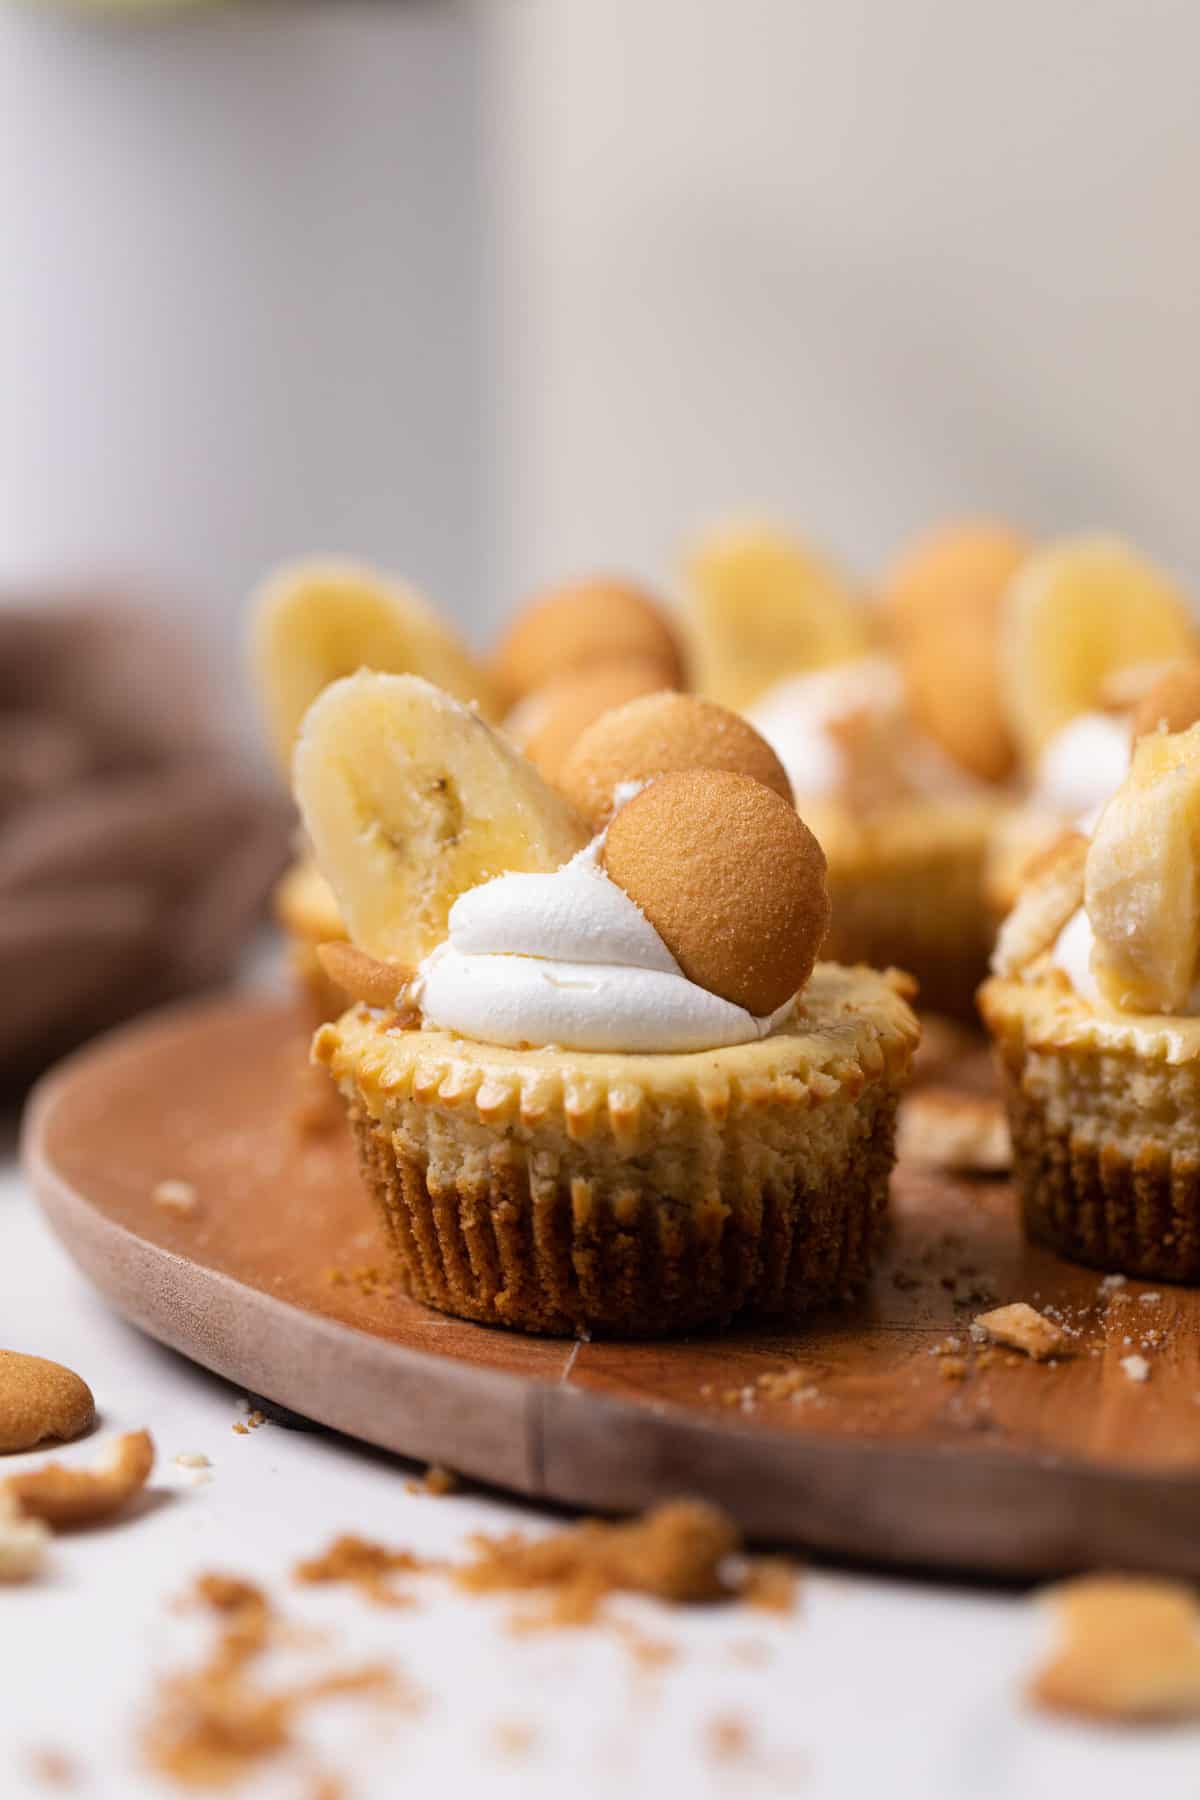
178 1197
1022 1327
1128 1650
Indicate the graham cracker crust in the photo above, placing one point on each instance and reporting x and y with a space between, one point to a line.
1095 1203
563 1261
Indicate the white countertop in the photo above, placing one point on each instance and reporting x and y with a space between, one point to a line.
875 1685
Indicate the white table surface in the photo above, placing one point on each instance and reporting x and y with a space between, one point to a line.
877 1685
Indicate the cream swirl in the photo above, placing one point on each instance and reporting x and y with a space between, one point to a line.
1072 953
1082 766
569 960
803 718
796 714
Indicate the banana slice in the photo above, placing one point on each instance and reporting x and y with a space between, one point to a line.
1142 879
1051 891
409 799
312 622
766 606
1075 613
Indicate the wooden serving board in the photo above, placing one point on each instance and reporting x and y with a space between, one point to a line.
278 1280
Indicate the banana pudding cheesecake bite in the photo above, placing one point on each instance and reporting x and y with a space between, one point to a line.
905 831
612 1089
891 743
1089 631
1094 1008
310 623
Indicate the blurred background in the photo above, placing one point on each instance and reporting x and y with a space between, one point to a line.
492 292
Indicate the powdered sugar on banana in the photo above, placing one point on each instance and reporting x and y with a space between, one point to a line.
569 960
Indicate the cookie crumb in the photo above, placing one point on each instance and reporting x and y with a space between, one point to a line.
66 1497
794 1384
178 1197
213 1724
436 1481
1136 1367
945 1128
771 1584
358 1562
514 1738
727 1738
23 1542
684 1552
1021 1327
54 1768
1128 1651
192 1459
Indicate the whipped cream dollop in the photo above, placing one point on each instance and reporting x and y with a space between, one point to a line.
1082 766
800 715
570 960
1072 953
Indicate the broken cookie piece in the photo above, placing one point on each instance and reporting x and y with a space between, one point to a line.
944 1128
64 1498
23 1542
1021 1327
1128 1650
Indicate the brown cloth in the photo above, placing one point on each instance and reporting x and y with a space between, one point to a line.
135 856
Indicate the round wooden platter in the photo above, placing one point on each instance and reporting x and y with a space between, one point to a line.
846 1432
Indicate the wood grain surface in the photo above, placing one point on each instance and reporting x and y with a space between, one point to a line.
855 1432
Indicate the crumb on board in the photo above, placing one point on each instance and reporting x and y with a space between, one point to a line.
793 1383
192 1459
1021 1327
1128 1650
436 1481
369 1278
178 1197
1136 1367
